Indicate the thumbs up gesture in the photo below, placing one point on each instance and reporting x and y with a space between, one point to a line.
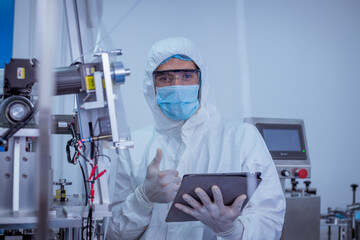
161 186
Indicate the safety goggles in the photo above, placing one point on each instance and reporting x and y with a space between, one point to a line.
184 76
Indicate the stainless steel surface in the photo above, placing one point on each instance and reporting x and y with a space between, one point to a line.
29 221
333 231
68 80
110 96
302 218
72 18
24 132
17 177
71 225
118 72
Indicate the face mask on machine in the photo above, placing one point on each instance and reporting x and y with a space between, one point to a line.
178 102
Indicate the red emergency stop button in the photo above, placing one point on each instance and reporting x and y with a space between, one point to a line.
301 173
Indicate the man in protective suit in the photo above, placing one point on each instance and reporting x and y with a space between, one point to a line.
188 137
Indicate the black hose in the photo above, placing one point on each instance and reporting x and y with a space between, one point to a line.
84 178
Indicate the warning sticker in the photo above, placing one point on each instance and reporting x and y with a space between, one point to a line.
90 83
20 73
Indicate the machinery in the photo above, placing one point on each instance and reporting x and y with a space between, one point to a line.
99 121
286 141
344 223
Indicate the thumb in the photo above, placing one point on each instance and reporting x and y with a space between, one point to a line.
155 163
238 203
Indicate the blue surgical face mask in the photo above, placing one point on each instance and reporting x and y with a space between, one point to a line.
178 102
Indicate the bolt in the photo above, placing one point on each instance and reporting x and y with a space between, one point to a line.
7 159
25 159
7 175
24 175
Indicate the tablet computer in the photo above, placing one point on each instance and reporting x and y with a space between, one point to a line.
231 185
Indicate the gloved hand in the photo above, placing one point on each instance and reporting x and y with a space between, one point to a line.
160 186
217 216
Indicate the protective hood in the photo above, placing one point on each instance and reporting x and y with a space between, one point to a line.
158 53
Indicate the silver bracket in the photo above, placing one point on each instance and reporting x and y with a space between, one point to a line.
110 96
16 176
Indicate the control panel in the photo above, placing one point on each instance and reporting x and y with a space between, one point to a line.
286 141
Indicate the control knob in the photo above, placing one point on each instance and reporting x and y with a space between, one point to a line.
285 173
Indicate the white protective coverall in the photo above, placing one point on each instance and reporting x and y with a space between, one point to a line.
202 144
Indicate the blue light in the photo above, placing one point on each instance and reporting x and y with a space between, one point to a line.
6 31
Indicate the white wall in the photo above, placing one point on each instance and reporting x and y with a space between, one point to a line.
301 59
304 63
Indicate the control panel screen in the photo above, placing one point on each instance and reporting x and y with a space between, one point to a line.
284 141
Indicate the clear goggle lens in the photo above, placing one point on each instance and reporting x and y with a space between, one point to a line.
168 77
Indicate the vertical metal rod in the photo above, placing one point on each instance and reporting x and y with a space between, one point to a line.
46 31
353 225
70 233
341 232
110 97
16 176
73 23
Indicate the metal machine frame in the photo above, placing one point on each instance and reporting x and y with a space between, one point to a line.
21 167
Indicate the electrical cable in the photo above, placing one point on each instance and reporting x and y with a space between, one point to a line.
92 144
95 154
84 157
85 185
89 223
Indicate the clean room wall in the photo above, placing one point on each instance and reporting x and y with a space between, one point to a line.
301 60
304 62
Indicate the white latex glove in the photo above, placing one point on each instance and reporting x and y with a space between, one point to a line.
220 218
160 186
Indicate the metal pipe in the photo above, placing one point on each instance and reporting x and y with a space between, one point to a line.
46 31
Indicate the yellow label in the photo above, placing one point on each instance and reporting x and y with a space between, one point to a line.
90 83
20 73
58 194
